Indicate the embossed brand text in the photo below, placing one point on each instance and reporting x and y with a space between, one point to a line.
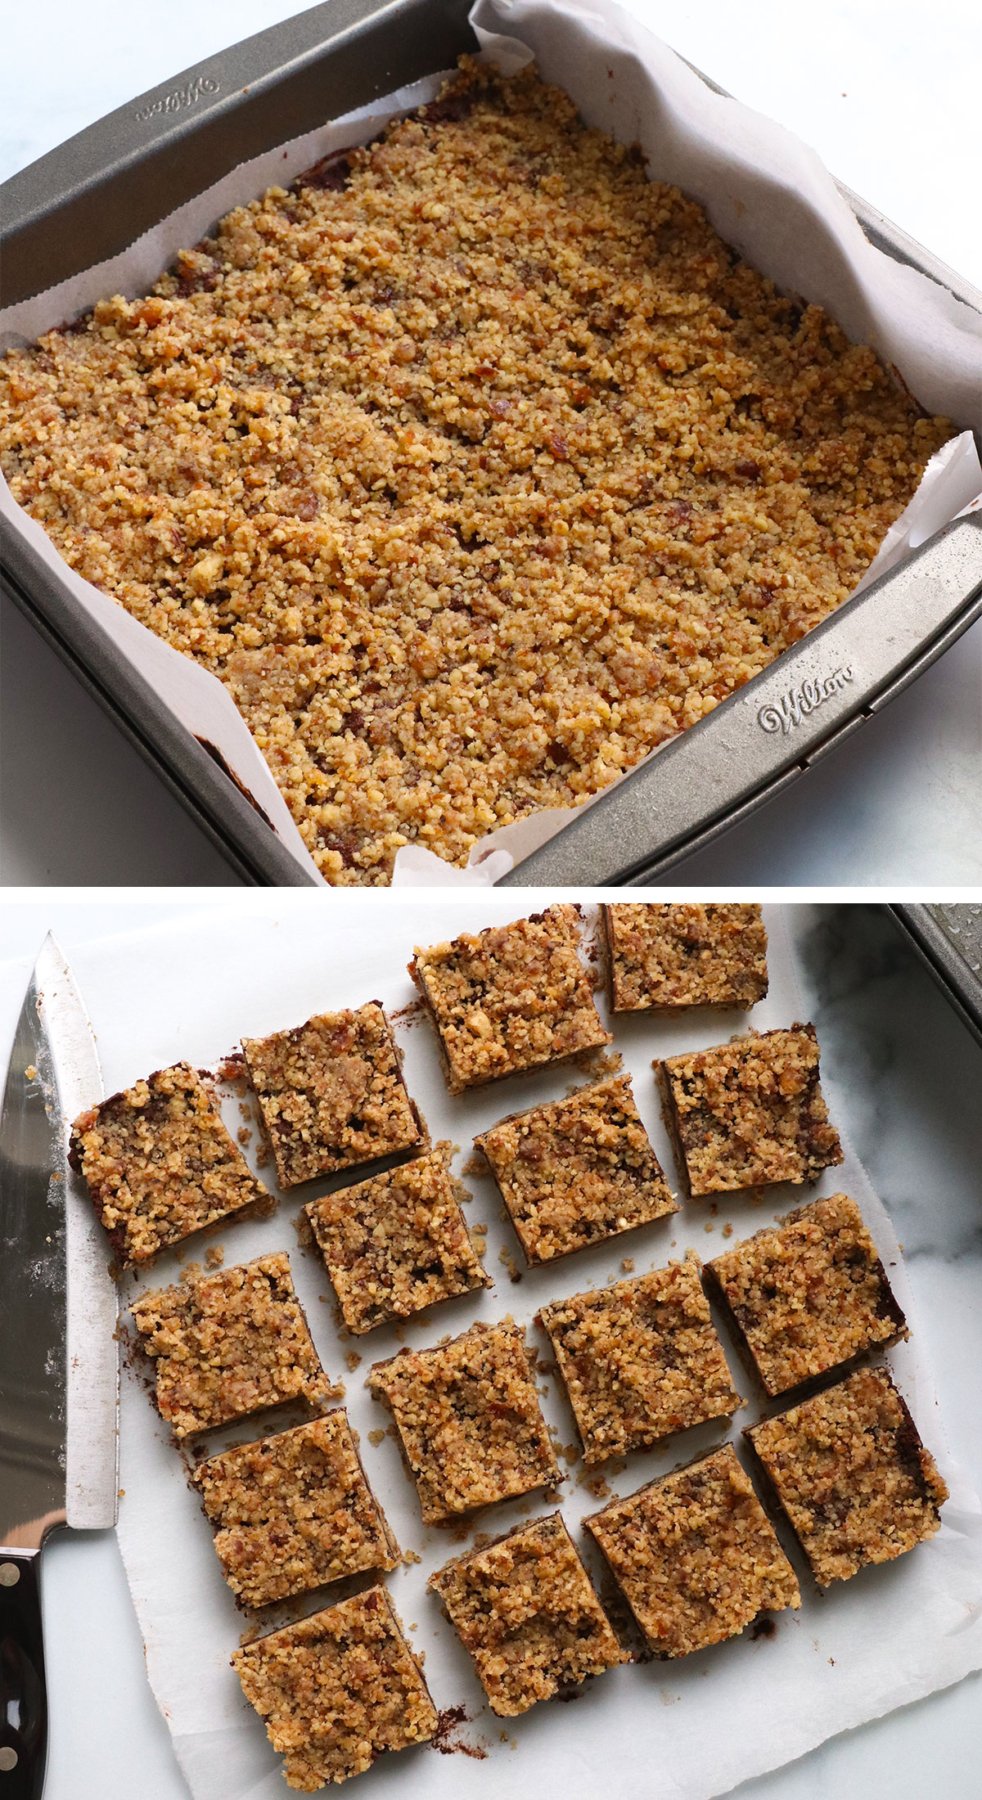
179 98
791 708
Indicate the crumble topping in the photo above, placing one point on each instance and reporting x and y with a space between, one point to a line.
475 465
640 1360
577 1171
749 1112
855 1481
396 1243
695 1555
336 1690
159 1164
331 1094
509 998
294 1511
525 1611
469 1420
808 1294
668 956
228 1345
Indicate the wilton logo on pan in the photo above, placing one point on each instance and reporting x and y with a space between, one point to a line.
791 708
178 98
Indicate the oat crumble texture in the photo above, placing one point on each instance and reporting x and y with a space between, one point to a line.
228 1345
577 1171
749 1112
525 1610
159 1164
852 1475
293 1512
675 956
640 1360
808 1294
396 1243
695 1555
469 1421
475 466
336 1690
331 1094
509 998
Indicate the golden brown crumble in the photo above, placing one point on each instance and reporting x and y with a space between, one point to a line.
396 1243
159 1164
337 1689
640 1360
749 1112
469 1420
853 1477
525 1610
228 1345
695 1555
331 1093
578 1170
668 956
509 998
807 1294
475 466
294 1511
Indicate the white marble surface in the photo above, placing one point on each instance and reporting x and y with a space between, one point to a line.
906 1079
889 103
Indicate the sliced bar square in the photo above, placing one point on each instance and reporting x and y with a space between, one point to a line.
469 1420
293 1512
850 1471
640 1360
677 956
331 1094
228 1345
695 1555
510 998
749 1112
336 1690
159 1164
396 1243
807 1294
577 1170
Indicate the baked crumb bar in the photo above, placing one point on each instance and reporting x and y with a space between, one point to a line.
510 998
228 1345
469 1420
159 1164
640 1360
293 1512
525 1611
331 1094
577 1170
336 1690
396 1243
675 956
749 1112
475 465
852 1475
808 1294
695 1555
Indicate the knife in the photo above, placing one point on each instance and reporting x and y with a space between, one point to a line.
59 1375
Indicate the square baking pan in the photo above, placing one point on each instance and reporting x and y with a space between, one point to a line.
948 940
95 194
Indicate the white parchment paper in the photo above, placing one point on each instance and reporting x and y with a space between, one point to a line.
766 193
660 1731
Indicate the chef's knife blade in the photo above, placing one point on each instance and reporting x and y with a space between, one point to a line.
58 1355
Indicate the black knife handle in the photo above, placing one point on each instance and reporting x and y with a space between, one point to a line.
23 1701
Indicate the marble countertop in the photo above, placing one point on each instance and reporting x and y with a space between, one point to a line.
907 1077
892 112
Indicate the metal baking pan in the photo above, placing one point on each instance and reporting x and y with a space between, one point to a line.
93 195
948 940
